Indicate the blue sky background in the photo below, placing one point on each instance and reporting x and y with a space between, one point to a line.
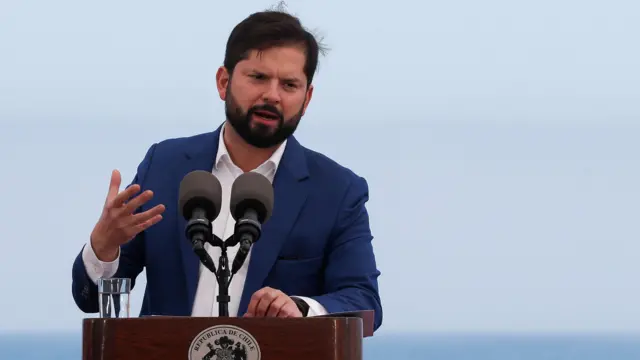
499 139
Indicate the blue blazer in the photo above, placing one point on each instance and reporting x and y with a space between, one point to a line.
316 244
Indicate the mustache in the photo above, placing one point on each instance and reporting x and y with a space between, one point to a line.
266 107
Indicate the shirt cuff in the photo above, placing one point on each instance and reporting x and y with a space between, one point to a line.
315 308
95 268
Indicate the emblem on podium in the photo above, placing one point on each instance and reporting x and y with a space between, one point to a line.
224 342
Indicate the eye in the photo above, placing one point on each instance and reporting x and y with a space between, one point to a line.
291 85
258 76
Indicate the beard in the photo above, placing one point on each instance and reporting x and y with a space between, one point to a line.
257 134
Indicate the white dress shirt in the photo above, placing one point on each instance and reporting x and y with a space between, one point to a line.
223 226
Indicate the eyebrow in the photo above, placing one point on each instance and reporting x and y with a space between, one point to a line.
292 79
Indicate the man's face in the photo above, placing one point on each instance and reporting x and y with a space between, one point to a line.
266 96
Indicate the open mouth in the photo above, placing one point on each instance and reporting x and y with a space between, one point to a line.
267 115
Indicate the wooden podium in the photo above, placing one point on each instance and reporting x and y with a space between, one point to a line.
332 337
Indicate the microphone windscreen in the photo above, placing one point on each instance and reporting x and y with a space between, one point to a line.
251 190
200 189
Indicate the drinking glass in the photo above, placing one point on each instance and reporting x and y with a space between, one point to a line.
113 296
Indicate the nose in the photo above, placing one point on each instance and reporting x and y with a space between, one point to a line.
272 93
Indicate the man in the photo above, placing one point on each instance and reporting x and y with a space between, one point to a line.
314 255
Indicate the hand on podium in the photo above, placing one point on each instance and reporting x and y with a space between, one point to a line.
269 302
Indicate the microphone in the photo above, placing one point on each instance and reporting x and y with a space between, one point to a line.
199 200
251 205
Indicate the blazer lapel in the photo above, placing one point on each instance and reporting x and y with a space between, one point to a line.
200 156
290 194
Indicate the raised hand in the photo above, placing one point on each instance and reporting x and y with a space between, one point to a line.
118 224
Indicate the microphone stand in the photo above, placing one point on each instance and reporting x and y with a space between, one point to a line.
223 275
200 232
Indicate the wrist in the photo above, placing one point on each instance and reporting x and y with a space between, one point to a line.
104 253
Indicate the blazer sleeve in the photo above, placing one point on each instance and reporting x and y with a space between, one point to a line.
131 261
351 275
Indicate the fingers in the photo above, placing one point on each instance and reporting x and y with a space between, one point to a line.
140 218
268 302
145 225
132 225
125 195
138 201
255 299
264 303
118 223
114 185
133 204
276 305
290 309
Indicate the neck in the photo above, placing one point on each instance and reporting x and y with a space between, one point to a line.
246 157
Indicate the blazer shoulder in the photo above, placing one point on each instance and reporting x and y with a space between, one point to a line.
171 151
167 154
187 144
331 171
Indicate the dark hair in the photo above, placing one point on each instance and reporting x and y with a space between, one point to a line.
267 29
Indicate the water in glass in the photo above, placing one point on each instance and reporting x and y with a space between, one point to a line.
114 297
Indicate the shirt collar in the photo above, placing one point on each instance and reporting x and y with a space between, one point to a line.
271 163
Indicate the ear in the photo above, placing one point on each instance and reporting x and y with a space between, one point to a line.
222 82
307 98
